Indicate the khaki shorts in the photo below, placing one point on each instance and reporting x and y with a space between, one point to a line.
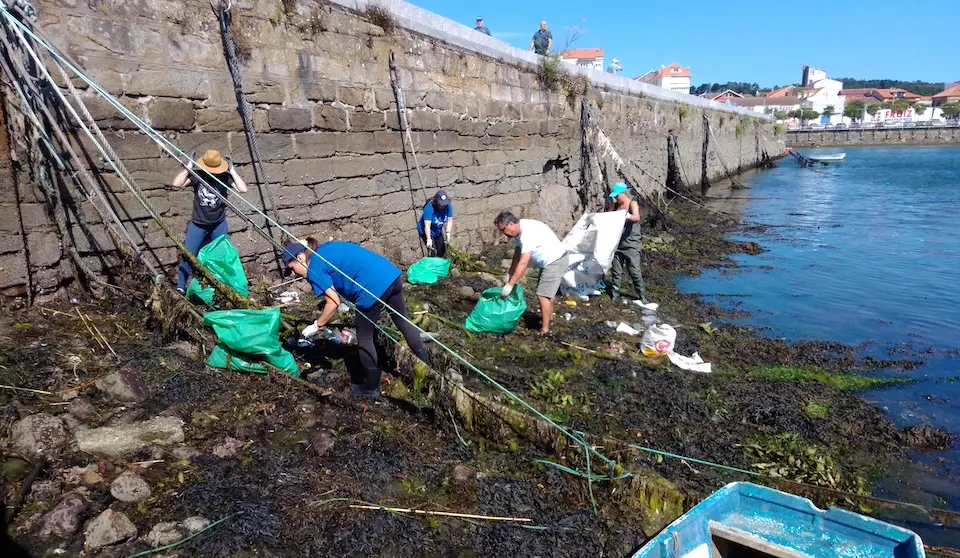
552 276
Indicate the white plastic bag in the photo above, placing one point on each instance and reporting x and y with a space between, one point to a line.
658 340
693 364
591 245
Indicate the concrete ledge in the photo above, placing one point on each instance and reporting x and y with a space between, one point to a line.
428 23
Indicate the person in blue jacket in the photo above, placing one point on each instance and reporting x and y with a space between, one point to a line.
350 271
437 218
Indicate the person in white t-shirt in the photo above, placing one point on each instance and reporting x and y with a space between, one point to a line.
538 244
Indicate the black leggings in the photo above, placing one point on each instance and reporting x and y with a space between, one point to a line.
366 330
439 245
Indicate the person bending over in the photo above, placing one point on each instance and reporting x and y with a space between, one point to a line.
350 271
436 224
536 243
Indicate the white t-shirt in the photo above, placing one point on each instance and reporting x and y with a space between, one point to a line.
538 238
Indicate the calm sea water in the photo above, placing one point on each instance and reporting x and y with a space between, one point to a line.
868 253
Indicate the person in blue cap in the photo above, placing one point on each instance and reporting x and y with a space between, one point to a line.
436 224
346 270
628 255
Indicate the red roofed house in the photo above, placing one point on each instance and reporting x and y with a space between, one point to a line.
673 77
586 57
893 94
950 95
721 96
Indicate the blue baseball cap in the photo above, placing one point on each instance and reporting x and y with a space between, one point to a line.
291 251
442 198
618 188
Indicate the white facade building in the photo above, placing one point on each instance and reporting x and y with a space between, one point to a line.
584 57
673 77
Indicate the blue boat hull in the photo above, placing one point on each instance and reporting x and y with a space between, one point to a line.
745 519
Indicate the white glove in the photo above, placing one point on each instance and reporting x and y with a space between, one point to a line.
190 165
429 241
448 237
310 331
505 278
506 290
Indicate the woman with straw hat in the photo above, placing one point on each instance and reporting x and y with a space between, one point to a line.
210 177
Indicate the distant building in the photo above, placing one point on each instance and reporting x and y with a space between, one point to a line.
781 92
673 77
893 94
584 57
721 96
768 104
812 75
949 95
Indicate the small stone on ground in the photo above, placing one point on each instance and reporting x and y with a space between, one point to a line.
130 487
110 527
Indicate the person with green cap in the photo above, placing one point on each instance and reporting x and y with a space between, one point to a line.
370 281
627 256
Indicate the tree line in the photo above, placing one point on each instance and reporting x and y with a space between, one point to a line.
924 88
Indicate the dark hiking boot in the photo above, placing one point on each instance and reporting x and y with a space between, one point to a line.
360 391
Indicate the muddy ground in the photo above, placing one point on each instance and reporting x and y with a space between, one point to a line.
272 455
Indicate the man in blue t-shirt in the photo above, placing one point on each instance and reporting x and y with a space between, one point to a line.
437 218
346 270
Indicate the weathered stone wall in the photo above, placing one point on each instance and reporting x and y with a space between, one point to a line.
317 77
874 136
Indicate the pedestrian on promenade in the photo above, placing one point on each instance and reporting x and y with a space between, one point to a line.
209 220
614 67
348 270
436 224
627 256
542 40
537 243
480 27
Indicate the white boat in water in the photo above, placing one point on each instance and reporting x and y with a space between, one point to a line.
835 158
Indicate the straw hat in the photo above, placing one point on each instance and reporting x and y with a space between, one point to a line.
212 162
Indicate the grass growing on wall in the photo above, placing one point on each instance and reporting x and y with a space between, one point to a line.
381 17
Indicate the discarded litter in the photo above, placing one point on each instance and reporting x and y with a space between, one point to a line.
652 306
429 336
568 316
288 297
628 329
693 363
658 340
343 336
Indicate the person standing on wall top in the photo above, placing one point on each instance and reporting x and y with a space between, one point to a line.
542 40
614 67
436 224
627 256
209 220
536 243
348 270
480 27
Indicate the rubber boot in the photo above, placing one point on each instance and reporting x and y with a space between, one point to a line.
369 390
614 293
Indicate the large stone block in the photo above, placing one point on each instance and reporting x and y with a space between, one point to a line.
339 209
448 176
424 120
490 157
272 147
13 270
447 141
168 114
387 142
396 162
328 117
268 92
462 158
294 196
390 182
499 129
131 146
449 121
199 142
183 83
314 171
353 96
323 92
108 116
345 188
289 119
439 160
44 249
361 143
366 121
315 145
439 101
483 173
219 120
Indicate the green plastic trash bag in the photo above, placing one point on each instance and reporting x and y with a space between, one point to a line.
497 315
221 357
222 259
428 271
197 294
251 334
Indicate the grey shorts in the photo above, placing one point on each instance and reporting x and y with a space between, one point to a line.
552 276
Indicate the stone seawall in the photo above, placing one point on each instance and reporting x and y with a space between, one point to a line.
874 136
484 128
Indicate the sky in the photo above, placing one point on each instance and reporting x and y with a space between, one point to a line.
761 41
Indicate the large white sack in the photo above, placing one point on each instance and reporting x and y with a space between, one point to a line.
591 245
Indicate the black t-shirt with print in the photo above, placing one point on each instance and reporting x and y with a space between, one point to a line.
208 207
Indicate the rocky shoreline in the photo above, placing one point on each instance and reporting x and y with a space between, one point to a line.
147 446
